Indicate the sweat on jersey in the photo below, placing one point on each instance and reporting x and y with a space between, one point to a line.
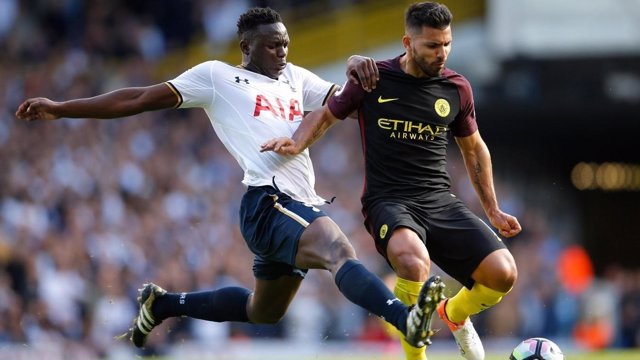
246 109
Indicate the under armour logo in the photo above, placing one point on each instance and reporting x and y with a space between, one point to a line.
246 81
290 86
390 301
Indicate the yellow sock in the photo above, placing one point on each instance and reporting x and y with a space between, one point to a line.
470 302
407 291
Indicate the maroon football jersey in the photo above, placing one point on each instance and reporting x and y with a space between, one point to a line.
404 127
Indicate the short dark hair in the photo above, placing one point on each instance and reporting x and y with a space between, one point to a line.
431 14
255 17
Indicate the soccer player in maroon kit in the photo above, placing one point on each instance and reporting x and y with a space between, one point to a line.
407 203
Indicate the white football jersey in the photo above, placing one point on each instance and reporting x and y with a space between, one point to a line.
246 109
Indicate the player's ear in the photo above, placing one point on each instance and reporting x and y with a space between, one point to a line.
406 42
244 46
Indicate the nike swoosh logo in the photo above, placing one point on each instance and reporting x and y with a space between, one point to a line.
382 101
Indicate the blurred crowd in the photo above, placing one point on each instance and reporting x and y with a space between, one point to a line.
91 209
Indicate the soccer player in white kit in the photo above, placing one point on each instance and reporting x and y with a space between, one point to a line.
263 98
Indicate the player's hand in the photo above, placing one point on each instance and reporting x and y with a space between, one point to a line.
507 225
363 70
281 145
37 109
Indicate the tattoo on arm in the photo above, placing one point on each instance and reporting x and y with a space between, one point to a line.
477 180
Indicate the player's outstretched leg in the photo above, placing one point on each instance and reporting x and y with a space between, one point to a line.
419 330
145 321
465 335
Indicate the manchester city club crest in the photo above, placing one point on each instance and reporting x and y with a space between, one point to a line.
442 107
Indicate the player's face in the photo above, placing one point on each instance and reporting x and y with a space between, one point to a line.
428 49
268 50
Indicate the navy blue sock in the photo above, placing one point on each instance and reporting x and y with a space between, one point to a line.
364 288
225 304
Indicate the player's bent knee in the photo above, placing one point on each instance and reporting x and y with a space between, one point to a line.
503 276
340 250
345 250
497 271
412 267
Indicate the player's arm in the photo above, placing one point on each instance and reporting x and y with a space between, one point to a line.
363 70
115 104
477 160
316 123
313 127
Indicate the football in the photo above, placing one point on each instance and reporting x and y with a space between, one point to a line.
537 349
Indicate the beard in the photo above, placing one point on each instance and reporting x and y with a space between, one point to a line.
425 67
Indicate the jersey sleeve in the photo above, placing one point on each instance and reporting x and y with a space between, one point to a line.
194 87
465 122
315 91
346 101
